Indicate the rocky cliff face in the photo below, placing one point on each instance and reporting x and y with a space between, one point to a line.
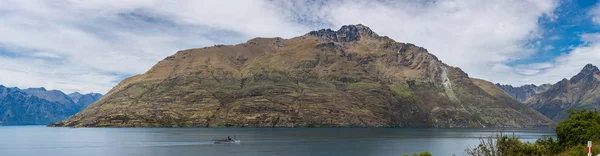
581 91
351 77
524 92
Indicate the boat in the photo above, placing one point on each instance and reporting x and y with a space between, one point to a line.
228 140
225 141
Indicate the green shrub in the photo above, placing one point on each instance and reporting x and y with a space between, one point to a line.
571 138
582 126
550 143
580 150
420 154
500 145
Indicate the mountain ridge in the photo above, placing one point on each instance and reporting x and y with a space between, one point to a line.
38 105
581 92
20 108
522 93
351 77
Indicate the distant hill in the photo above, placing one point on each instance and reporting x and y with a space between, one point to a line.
581 91
351 77
38 105
522 93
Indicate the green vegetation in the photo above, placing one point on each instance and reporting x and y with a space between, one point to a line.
401 89
582 126
419 154
571 138
501 144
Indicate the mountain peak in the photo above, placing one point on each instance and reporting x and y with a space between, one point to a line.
37 89
354 29
346 33
589 68
588 71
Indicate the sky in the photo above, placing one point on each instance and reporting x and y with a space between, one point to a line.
91 45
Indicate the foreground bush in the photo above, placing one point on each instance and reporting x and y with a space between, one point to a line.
581 150
571 139
500 145
549 143
582 126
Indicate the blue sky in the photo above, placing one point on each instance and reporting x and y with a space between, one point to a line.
90 46
573 19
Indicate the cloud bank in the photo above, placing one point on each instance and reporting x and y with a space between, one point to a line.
89 46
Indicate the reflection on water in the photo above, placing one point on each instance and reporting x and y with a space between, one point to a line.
39 140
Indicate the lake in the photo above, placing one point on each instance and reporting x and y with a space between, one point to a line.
40 140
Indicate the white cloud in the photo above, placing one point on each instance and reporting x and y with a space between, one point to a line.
53 75
569 63
90 45
548 47
99 42
588 38
45 55
574 61
532 69
595 13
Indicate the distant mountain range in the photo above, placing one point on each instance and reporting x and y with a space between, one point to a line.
351 77
40 106
524 92
582 91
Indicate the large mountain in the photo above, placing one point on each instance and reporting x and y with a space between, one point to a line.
524 92
349 77
37 105
581 91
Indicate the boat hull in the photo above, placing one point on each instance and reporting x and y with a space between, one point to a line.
226 142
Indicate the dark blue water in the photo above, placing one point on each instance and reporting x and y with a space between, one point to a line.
40 140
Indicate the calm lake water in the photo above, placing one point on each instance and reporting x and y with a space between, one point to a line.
40 140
